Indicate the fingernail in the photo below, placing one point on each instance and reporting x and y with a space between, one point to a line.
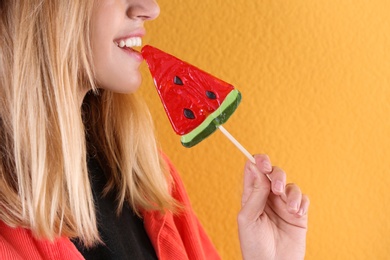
293 205
300 212
278 186
267 166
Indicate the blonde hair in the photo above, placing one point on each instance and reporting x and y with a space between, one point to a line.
45 60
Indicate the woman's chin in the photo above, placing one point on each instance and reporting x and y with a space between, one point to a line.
125 86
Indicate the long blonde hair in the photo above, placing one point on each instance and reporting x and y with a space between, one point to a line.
45 60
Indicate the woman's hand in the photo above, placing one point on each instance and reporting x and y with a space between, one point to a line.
272 222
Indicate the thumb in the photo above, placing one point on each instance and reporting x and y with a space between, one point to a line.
255 194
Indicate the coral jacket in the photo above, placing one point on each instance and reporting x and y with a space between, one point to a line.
173 237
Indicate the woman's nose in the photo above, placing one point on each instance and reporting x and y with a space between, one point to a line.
144 9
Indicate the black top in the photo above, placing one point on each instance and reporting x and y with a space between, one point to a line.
124 236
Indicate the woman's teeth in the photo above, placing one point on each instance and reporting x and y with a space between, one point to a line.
130 42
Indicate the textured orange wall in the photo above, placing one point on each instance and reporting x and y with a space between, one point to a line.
315 79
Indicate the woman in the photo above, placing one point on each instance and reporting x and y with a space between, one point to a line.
81 175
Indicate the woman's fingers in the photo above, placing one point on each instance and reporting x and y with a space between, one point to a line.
278 181
263 163
255 194
297 203
293 198
305 202
256 188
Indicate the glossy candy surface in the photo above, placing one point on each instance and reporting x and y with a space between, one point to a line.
195 102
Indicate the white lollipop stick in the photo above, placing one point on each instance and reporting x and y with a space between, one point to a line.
239 146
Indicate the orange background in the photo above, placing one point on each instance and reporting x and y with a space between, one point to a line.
315 80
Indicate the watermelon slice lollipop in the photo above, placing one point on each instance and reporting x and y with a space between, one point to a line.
195 102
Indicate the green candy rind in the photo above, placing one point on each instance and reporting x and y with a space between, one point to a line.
211 123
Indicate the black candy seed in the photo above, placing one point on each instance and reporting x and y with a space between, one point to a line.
211 95
188 113
177 81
